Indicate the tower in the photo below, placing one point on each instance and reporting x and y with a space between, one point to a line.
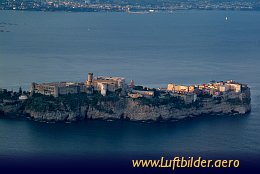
90 79
32 89
131 84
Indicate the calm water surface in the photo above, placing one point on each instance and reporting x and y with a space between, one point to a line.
153 49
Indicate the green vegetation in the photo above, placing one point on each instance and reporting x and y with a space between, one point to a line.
157 101
204 96
176 102
73 102
70 102
97 97
8 95
42 103
141 88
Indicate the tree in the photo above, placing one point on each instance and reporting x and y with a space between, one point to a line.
20 90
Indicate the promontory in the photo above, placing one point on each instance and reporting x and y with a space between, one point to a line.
106 98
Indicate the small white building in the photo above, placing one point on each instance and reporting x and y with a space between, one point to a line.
135 95
23 97
103 88
235 87
224 88
107 83
230 85
170 87
144 93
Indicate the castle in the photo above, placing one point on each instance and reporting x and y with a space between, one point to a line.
109 84
105 84
102 84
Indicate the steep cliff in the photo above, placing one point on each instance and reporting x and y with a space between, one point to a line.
134 110
74 108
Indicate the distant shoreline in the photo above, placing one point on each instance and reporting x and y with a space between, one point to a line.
146 11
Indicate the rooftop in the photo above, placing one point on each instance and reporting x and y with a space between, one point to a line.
59 84
108 78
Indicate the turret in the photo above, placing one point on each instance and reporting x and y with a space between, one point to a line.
90 80
32 89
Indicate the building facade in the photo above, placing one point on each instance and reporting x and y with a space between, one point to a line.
105 84
58 88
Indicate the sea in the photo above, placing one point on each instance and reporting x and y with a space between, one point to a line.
153 49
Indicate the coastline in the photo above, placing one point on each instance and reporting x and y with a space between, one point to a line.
121 108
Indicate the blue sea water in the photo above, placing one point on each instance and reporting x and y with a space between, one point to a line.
183 47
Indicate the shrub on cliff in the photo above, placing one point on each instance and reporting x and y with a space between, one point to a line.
156 101
43 103
8 95
70 102
74 101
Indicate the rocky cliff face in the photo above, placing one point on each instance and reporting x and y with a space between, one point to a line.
58 116
130 109
10 110
135 111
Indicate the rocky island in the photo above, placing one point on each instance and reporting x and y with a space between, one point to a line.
109 98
